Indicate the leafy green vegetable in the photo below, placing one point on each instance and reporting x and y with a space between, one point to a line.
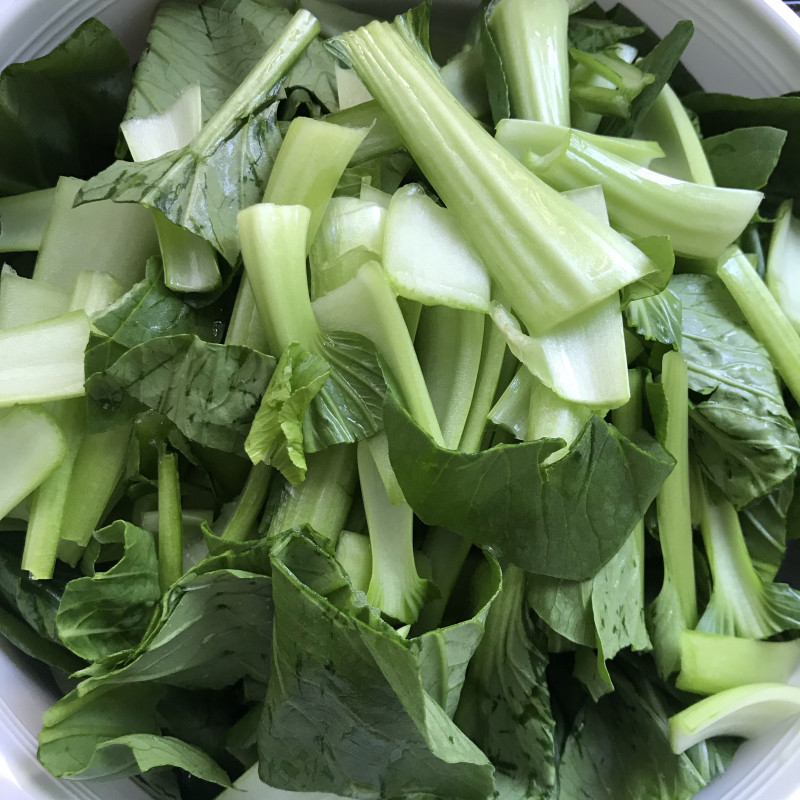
596 764
384 735
538 516
147 311
742 435
591 35
209 391
505 708
235 150
657 317
108 612
764 525
720 113
59 114
276 436
90 736
744 158
659 62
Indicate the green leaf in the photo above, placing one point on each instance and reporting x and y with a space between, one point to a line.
147 311
744 158
565 519
659 62
764 525
113 734
276 436
619 747
605 612
505 708
216 45
203 186
110 611
213 628
741 434
210 392
60 114
349 406
384 736
443 654
657 318
592 35
720 113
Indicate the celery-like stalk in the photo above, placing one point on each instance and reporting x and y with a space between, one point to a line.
448 343
675 608
744 711
23 218
531 36
382 138
701 221
242 524
170 521
190 262
354 554
427 257
765 317
553 259
47 502
668 123
305 173
97 468
43 361
519 136
24 301
105 236
34 438
366 305
94 291
783 263
273 239
351 233
311 160
711 662
395 586
324 498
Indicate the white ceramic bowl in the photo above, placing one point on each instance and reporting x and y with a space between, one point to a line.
749 47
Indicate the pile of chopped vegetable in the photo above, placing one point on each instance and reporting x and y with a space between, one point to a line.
393 426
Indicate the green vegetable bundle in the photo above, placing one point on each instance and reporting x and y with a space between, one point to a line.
398 426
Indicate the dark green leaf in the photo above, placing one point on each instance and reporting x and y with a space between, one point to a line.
110 611
741 434
744 158
619 748
565 519
505 708
60 114
591 35
659 62
349 406
213 628
147 311
210 392
720 113
201 190
26 639
384 737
